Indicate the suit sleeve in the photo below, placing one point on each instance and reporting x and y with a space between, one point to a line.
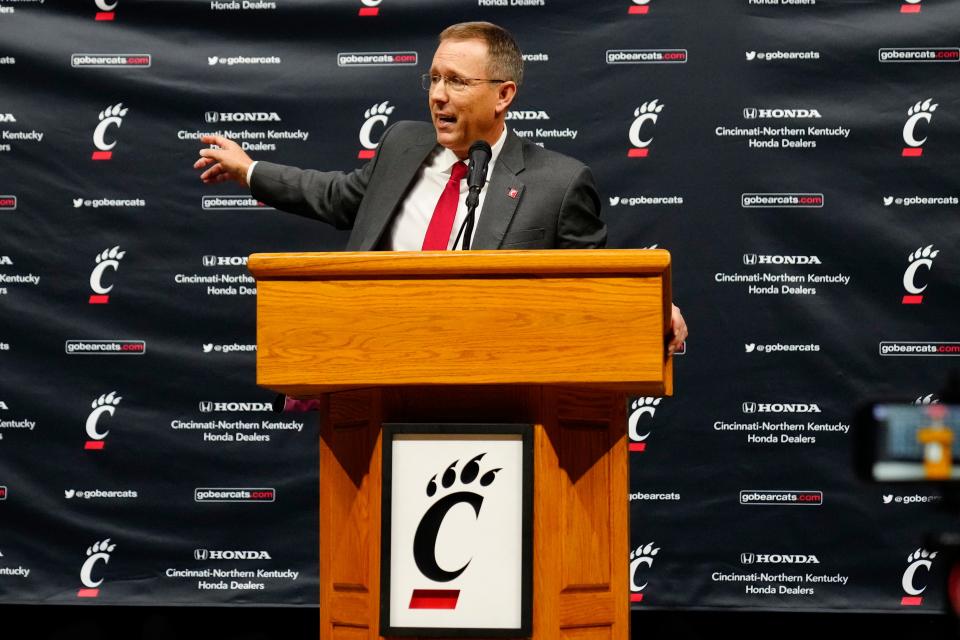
579 225
333 197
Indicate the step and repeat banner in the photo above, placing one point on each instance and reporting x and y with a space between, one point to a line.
797 157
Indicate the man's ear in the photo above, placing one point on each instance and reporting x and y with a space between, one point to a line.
505 96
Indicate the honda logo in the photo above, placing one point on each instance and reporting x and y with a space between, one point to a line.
206 407
749 258
209 261
749 407
746 558
200 554
750 113
211 117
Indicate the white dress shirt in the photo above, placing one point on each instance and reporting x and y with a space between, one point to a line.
409 227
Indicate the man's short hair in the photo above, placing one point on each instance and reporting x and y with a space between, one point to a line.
506 61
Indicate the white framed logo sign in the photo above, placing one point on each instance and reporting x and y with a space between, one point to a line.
456 538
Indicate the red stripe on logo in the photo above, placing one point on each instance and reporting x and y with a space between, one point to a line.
635 10
95 445
912 299
104 15
88 593
638 153
636 597
434 598
369 11
366 154
99 299
912 152
638 446
102 155
911 601
910 8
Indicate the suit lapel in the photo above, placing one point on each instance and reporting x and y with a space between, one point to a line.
503 195
389 193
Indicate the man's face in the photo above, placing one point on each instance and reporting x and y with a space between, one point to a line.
462 117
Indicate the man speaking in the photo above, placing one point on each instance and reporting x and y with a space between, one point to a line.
414 194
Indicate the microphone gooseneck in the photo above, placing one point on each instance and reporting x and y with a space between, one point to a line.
479 156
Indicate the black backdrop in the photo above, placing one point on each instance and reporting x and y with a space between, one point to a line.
789 264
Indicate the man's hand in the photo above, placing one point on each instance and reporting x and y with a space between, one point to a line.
229 162
678 331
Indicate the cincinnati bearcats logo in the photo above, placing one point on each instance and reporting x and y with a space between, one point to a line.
378 114
647 113
425 539
109 117
642 556
922 257
640 408
107 259
105 404
99 552
922 111
919 559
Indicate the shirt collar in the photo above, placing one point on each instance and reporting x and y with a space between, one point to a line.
447 158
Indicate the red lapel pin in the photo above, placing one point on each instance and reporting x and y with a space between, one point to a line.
513 193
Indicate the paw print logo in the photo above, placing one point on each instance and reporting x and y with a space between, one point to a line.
454 488
378 114
919 559
927 399
105 404
99 552
640 408
648 112
921 111
642 556
111 116
922 257
106 259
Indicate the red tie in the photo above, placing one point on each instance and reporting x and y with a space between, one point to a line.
441 224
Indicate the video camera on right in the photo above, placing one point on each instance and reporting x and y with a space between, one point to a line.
907 442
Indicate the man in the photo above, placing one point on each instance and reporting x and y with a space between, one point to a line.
411 196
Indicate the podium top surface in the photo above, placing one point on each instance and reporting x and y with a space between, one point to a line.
266 266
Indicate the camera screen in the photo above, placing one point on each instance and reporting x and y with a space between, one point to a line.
916 442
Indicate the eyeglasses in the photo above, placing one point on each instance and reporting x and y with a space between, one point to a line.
455 83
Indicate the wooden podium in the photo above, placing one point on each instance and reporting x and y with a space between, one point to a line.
556 339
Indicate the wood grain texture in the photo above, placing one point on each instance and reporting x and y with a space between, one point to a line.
580 567
581 531
350 515
329 322
367 264
451 331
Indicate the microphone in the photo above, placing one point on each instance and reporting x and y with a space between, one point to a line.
479 156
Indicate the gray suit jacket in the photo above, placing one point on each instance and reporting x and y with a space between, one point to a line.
536 199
